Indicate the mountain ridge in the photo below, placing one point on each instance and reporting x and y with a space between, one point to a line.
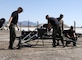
29 23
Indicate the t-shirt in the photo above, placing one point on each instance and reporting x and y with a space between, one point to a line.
70 32
53 21
15 17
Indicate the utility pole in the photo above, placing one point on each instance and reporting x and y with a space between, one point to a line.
28 25
75 25
37 23
20 26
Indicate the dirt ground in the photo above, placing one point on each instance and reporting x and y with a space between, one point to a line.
38 51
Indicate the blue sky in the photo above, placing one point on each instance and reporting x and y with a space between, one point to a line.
36 10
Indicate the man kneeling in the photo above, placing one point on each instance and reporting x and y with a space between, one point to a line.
71 35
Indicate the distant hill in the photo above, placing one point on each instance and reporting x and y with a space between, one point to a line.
66 26
26 23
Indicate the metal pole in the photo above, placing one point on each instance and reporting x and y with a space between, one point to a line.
37 24
20 26
28 25
74 25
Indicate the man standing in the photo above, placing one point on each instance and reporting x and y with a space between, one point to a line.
61 22
61 27
12 23
55 25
